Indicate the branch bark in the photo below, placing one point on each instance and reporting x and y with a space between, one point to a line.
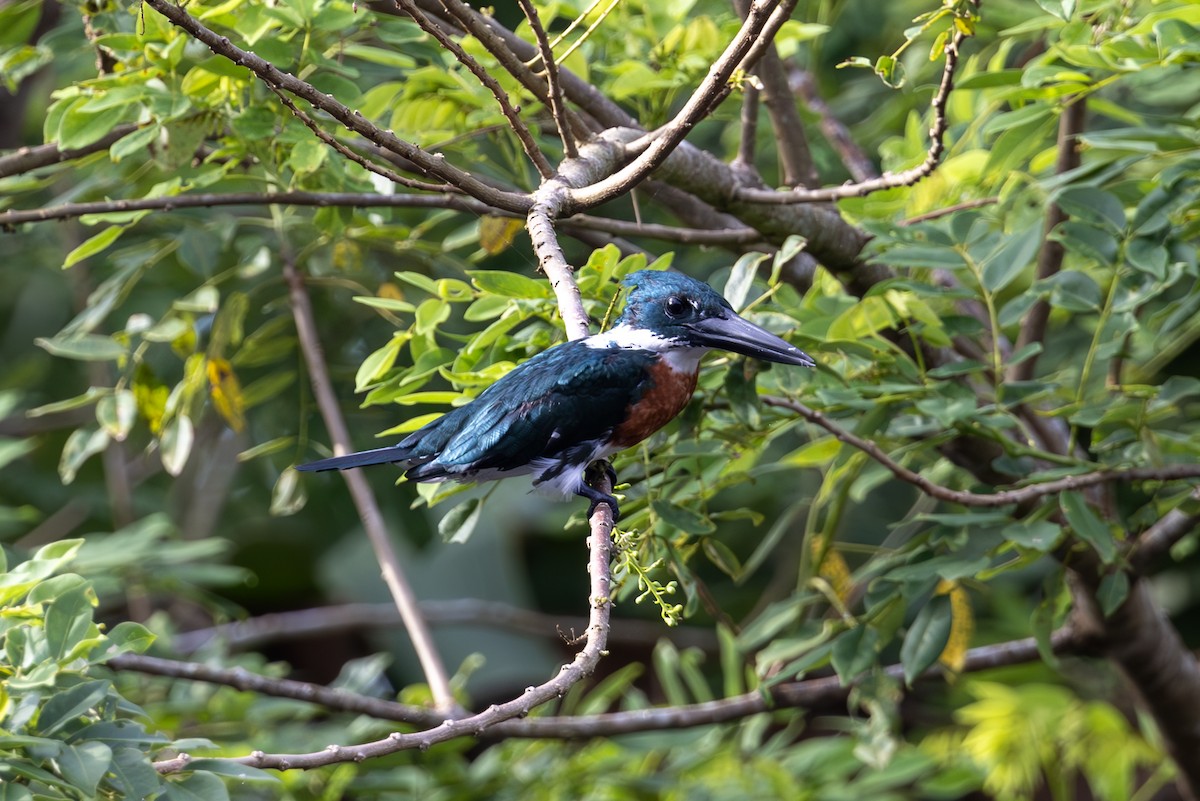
364 499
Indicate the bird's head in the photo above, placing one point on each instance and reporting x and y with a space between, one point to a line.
687 313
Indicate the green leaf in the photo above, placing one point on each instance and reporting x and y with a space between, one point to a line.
1088 526
116 413
1112 592
741 279
135 143
70 705
854 652
1074 291
289 494
1063 9
196 787
1014 254
79 128
84 765
926 638
83 347
509 285
681 518
430 314
233 770
1093 206
93 245
134 774
128 637
722 556
176 442
1040 535
69 621
1087 240
458 524
83 444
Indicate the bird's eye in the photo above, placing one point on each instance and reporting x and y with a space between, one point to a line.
676 306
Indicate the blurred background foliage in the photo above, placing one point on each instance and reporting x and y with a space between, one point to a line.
154 399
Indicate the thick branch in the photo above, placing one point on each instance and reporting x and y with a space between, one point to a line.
27 159
428 163
364 499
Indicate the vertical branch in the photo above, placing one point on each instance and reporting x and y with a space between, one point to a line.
1050 257
794 155
557 103
364 499
744 161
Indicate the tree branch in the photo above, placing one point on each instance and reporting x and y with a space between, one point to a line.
1160 537
600 546
514 119
815 696
554 88
1030 492
790 141
27 159
320 621
937 133
857 163
364 499
427 163
763 21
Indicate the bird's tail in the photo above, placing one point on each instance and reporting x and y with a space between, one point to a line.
360 459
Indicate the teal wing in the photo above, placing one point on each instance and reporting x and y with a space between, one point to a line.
563 398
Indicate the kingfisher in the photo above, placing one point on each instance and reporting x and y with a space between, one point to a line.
580 402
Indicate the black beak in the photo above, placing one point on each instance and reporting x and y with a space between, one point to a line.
735 334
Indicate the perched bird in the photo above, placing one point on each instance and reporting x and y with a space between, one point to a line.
585 399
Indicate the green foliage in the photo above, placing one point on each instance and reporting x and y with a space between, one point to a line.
65 730
803 555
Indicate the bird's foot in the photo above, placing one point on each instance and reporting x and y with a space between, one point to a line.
596 470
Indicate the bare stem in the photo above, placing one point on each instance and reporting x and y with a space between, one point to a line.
557 103
364 499
510 113
937 146
1031 492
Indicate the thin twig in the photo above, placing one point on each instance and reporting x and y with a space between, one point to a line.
557 104
363 162
1050 257
763 21
428 163
744 160
815 696
1172 472
596 638
456 202
1162 536
242 679
502 49
977 203
857 163
583 37
467 60
325 620
364 499
937 146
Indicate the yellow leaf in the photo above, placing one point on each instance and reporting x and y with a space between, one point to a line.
226 392
497 233
390 291
962 625
833 568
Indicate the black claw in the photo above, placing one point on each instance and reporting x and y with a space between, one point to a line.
594 495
